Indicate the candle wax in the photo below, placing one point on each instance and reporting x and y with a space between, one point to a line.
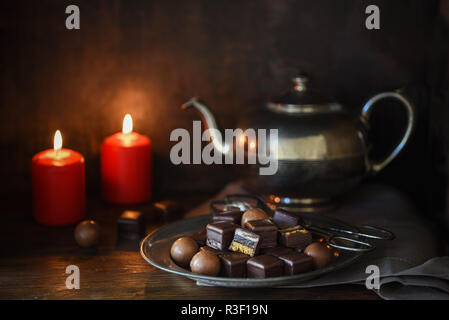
126 168
58 185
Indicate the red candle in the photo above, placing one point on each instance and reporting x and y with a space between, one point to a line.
58 185
126 166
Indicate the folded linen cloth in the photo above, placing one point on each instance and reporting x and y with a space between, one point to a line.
409 268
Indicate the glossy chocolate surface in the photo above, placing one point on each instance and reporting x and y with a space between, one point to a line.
167 211
295 237
87 233
264 266
230 216
267 231
253 214
284 219
205 263
233 265
199 237
182 250
295 263
220 234
276 251
321 253
131 225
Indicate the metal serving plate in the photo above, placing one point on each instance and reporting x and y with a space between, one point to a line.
155 249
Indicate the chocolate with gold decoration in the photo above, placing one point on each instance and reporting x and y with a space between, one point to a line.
245 242
296 237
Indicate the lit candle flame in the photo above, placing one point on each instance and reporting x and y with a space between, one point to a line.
127 124
57 141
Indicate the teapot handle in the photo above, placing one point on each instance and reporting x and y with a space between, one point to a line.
376 166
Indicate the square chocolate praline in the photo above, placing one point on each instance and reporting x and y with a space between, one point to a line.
199 237
276 251
296 237
285 219
131 225
295 262
233 265
267 231
230 216
264 266
220 234
245 241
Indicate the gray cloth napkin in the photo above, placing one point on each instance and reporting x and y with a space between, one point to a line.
409 268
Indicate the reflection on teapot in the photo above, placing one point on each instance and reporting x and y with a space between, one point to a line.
322 149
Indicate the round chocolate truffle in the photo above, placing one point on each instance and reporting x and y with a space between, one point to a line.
182 250
87 233
205 263
253 214
321 253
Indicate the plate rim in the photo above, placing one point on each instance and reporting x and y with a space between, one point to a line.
226 281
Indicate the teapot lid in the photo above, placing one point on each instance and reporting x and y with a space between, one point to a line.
302 99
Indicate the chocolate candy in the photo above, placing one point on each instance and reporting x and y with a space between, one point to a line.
295 237
167 211
245 242
295 263
276 251
211 250
87 233
264 266
321 253
267 231
182 250
131 225
205 263
233 216
233 265
253 214
284 219
220 234
199 237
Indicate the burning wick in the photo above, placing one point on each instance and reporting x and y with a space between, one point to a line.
127 124
57 143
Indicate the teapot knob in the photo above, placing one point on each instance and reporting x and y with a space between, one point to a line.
300 81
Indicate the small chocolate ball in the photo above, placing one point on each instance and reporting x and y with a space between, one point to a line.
321 253
253 214
182 250
205 263
87 233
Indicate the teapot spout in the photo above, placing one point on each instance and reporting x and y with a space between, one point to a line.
209 122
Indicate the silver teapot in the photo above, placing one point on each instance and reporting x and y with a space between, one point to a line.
322 148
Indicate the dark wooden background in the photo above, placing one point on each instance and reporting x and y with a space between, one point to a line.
148 57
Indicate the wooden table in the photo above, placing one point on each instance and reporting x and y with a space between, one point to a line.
33 260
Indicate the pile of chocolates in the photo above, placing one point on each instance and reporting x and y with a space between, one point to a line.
252 244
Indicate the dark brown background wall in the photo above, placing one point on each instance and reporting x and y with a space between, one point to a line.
148 57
